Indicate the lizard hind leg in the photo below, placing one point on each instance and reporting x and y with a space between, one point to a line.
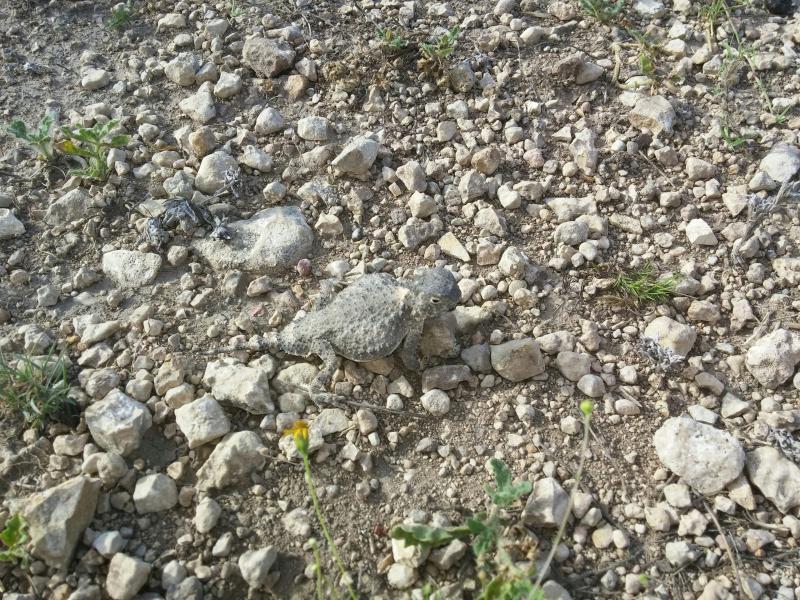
318 388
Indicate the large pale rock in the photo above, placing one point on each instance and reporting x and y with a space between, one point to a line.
126 576
211 174
776 476
772 359
10 226
267 57
273 238
130 268
782 162
254 565
72 206
202 421
547 504
357 157
155 493
242 386
518 360
654 113
672 335
118 422
705 457
234 458
57 518
787 269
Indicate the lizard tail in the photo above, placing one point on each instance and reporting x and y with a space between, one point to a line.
265 343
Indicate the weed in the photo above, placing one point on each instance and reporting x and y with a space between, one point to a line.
14 537
648 50
644 285
782 116
733 140
35 388
39 138
602 10
441 48
121 15
234 10
299 431
93 144
501 578
392 40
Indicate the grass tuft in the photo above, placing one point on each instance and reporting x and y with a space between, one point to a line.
36 389
645 285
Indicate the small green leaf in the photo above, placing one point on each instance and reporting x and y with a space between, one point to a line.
506 492
422 535
485 532
18 129
118 141
15 533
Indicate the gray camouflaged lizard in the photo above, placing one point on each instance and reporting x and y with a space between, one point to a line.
369 319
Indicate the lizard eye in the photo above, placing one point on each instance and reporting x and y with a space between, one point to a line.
435 300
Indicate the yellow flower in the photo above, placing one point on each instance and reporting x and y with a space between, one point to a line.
299 430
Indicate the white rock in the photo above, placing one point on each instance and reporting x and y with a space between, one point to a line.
772 359
776 476
705 457
242 386
228 85
357 157
254 565
518 360
207 515
547 504
436 402
202 421
269 121
10 226
72 206
267 57
313 128
256 158
234 458
126 576
672 335
782 162
700 233
654 113
155 493
94 79
211 174
413 176
130 268
199 107
451 246
118 422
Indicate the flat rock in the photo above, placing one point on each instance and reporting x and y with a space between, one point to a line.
10 226
57 518
782 162
130 268
772 359
272 238
654 113
74 205
547 504
118 422
706 458
268 57
202 421
518 360
242 386
211 174
672 335
776 476
234 458
700 233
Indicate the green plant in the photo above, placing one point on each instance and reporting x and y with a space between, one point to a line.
234 10
35 388
501 578
121 15
299 431
602 10
40 138
93 144
648 49
645 285
14 537
441 48
733 140
782 116
392 40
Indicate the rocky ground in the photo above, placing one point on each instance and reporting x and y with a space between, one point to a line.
545 155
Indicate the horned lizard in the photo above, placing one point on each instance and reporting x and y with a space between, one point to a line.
369 319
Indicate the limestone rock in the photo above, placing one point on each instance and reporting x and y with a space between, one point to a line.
130 268
772 359
202 421
267 57
670 334
518 360
242 386
234 458
776 476
118 422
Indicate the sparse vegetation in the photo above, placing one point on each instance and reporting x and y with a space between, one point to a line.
441 48
40 138
35 388
647 49
121 15
92 144
602 10
392 40
645 285
14 537
299 432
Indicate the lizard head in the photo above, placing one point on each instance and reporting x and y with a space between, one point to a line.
435 292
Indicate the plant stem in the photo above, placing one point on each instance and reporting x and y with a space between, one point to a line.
324 525
562 528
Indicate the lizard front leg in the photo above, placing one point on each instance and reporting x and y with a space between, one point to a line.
410 351
319 387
